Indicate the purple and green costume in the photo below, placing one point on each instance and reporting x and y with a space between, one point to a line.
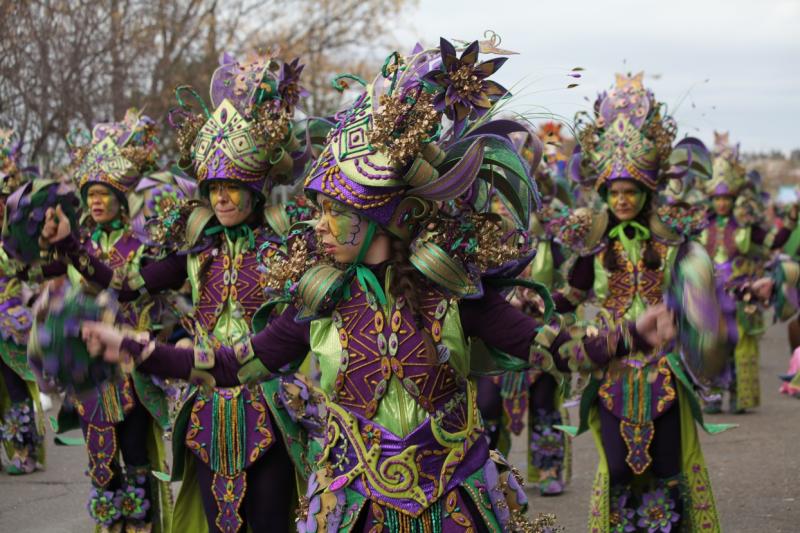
739 246
642 412
403 440
123 421
235 448
506 399
21 416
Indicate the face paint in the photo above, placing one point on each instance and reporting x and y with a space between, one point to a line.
345 225
103 204
626 200
232 203
233 191
723 205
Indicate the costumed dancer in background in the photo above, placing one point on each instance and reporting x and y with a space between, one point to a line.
389 307
233 444
122 421
21 416
651 475
739 243
504 400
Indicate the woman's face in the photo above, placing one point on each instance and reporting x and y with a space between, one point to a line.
103 204
626 199
232 203
340 231
723 205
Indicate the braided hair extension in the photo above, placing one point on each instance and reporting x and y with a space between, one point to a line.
406 281
405 278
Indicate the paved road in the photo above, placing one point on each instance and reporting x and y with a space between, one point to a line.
755 470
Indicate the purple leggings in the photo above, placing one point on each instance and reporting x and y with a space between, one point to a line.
665 448
131 434
541 395
270 492
15 385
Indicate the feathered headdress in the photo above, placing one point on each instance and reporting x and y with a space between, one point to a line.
729 175
116 155
12 176
249 137
629 137
392 157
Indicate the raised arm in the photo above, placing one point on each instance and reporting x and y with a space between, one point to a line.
156 277
283 342
502 326
579 283
774 239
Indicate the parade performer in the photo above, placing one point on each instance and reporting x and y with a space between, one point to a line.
21 416
737 240
122 421
505 400
232 442
651 475
390 306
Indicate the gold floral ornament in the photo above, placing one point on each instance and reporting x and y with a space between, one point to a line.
11 176
249 136
402 125
116 154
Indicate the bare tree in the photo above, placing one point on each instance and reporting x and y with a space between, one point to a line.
68 64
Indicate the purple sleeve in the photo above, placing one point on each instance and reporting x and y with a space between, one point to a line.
759 235
581 277
282 342
54 269
501 325
169 273
558 255
166 361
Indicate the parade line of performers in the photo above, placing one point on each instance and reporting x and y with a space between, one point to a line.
357 358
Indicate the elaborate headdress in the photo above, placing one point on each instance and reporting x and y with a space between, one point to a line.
117 154
629 137
156 204
729 175
391 156
12 176
249 137
393 159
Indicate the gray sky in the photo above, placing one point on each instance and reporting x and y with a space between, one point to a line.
749 51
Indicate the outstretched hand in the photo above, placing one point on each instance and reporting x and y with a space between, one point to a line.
657 325
762 289
56 227
102 340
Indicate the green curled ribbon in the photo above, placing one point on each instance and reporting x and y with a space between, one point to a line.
366 278
106 228
640 233
234 233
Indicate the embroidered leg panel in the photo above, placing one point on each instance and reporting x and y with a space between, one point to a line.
229 493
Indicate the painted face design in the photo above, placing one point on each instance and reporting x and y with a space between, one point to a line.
232 190
345 225
103 204
231 202
723 205
626 200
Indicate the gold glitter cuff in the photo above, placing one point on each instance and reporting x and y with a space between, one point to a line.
243 351
546 336
573 295
135 280
118 276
